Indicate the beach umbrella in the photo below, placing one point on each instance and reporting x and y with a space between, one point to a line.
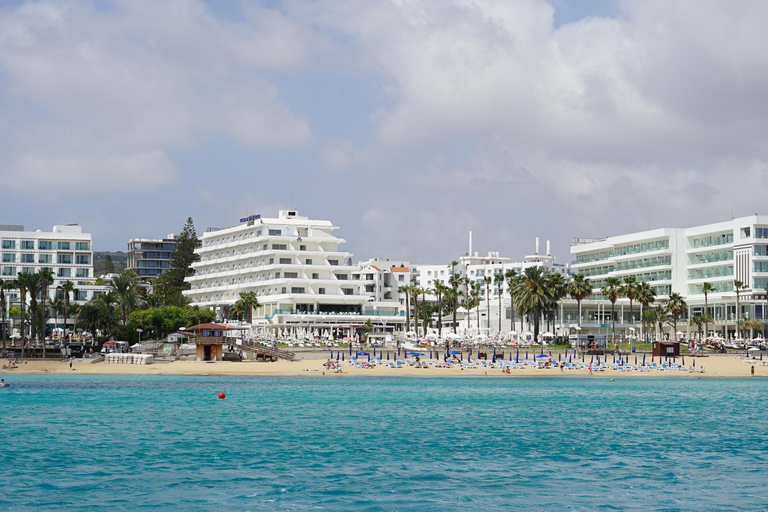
526 355
510 356
350 348
405 354
337 355
387 356
342 357
374 351
517 356
558 357
683 358
635 360
591 359
369 358
694 363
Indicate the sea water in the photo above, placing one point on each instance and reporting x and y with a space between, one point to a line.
345 443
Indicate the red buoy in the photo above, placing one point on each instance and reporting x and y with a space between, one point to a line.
222 395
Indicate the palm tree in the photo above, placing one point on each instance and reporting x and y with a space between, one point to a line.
706 289
21 284
476 301
406 290
488 280
106 304
612 290
676 307
579 289
440 289
739 285
558 287
468 285
424 292
46 279
661 312
532 295
66 287
629 290
57 305
34 286
415 292
124 286
498 280
511 277
4 285
250 301
645 295
455 281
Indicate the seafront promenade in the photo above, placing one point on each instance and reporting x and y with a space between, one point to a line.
716 365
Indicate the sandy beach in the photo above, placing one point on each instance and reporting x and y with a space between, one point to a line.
721 365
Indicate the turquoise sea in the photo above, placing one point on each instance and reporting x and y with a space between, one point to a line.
319 443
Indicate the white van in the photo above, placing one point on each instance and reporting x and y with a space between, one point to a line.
120 347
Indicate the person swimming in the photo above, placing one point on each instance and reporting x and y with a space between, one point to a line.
3 384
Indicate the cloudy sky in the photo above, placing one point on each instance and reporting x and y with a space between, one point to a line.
407 123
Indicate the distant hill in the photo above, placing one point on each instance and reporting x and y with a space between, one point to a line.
119 259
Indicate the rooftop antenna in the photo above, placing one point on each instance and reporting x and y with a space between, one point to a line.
292 199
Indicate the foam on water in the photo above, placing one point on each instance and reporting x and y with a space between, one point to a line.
168 443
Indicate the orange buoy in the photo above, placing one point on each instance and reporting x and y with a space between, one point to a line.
222 395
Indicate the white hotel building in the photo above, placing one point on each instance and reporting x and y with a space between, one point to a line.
65 250
301 278
681 260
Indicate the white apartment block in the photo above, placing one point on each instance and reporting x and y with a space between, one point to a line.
681 260
65 250
477 268
300 277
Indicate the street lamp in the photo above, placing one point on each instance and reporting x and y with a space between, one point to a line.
139 331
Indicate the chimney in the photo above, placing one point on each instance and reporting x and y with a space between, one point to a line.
548 253
537 245
470 244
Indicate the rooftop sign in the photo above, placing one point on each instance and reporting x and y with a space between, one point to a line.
250 218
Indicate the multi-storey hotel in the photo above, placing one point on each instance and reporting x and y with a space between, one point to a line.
681 260
150 258
65 250
301 278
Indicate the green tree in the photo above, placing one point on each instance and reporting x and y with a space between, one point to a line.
4 285
645 295
124 287
250 301
424 291
476 287
629 290
557 289
109 267
182 259
706 289
511 277
533 295
67 288
676 307
57 305
579 289
488 280
109 317
739 285
498 280
440 291
406 290
455 282
612 290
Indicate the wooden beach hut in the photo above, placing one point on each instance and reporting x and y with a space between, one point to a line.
666 348
210 340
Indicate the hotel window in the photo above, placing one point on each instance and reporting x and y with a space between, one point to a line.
291 275
9 257
761 232
401 278
9 244
279 247
285 261
27 258
321 291
297 290
302 247
63 246
745 232
264 247
333 262
65 259
258 233
9 271
45 245
275 232
82 272
308 262
277 275
82 246
65 272
84 259
760 250
761 266
315 276
28 245
44 258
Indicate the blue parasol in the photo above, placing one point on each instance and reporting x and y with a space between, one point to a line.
342 357
683 358
362 354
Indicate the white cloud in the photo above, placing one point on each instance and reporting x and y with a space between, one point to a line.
138 76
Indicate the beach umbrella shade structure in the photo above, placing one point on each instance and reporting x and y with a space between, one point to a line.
342 357
683 358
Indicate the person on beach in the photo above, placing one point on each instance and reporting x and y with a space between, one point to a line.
590 368
753 370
